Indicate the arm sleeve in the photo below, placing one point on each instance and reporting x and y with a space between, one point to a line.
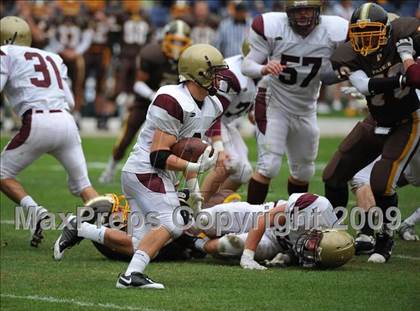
143 90
260 49
166 114
87 37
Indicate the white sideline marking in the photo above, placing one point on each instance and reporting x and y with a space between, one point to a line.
7 222
76 302
407 257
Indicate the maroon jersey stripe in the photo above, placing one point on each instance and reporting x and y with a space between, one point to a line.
305 200
224 101
232 80
261 110
258 26
2 53
23 133
152 182
171 105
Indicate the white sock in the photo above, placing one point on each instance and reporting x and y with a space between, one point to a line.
31 206
92 232
138 263
112 164
200 243
413 218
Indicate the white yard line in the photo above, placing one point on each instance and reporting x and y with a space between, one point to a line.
7 222
406 257
51 299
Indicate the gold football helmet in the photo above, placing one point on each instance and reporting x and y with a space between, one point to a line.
369 28
327 248
176 39
14 30
300 24
202 63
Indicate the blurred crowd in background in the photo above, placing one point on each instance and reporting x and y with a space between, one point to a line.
99 40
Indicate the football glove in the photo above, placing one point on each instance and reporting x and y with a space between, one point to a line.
352 91
204 162
405 48
195 195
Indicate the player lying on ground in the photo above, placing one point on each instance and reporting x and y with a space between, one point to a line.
34 82
261 241
115 242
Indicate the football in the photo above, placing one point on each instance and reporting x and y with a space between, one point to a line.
189 149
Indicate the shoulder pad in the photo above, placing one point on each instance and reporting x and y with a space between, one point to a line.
178 92
404 27
336 27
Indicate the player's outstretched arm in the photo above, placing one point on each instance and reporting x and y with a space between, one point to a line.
255 235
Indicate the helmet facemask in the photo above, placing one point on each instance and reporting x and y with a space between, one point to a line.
212 77
174 44
367 37
303 19
307 248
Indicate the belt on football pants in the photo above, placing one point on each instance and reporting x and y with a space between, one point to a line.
32 111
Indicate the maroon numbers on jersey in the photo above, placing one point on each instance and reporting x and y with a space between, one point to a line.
42 68
289 74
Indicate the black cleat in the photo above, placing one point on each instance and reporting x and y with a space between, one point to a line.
364 244
67 239
36 233
137 280
383 248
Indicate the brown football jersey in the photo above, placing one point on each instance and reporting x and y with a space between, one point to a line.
162 70
395 105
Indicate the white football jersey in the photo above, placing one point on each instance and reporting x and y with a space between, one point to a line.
236 217
241 95
173 111
305 211
296 89
32 78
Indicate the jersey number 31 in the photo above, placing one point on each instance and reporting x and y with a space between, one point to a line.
42 68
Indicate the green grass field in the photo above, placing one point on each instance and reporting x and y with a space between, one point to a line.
30 279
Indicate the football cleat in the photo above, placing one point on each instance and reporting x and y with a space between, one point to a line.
36 232
67 239
383 248
364 244
137 280
407 233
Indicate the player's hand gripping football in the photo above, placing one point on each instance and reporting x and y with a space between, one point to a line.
204 162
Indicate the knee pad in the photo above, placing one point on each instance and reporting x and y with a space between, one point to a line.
303 171
242 174
76 186
230 245
270 169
